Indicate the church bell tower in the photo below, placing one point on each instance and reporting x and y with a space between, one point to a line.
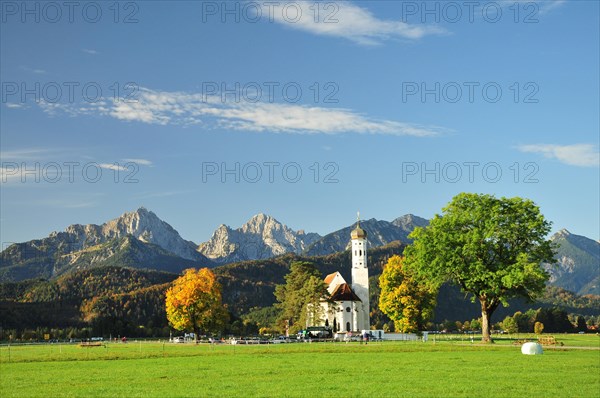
360 276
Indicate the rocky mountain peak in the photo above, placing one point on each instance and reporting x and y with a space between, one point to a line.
141 215
146 226
578 263
136 238
379 233
563 233
142 224
262 236
408 222
261 222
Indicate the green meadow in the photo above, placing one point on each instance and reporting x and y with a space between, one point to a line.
450 367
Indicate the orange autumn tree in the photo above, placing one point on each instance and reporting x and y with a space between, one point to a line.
193 302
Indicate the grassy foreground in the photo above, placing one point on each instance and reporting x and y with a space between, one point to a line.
403 369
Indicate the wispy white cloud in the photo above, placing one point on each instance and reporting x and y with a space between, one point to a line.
73 205
583 155
531 9
545 6
9 174
89 51
72 109
28 154
45 164
164 108
13 105
32 159
72 202
349 21
112 166
143 162
288 118
37 71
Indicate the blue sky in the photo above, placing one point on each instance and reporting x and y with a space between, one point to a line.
208 115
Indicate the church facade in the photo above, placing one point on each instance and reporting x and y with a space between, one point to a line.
347 309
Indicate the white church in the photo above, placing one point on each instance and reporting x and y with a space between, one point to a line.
348 307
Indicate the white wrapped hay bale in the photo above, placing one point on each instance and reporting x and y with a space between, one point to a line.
532 349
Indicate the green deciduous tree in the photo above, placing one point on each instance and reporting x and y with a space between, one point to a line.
476 324
555 320
314 291
409 304
492 248
262 317
525 320
299 298
509 325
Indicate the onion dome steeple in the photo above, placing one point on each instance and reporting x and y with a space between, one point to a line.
358 232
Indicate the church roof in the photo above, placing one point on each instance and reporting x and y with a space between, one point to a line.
329 278
343 292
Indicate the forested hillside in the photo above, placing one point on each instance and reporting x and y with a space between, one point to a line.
129 301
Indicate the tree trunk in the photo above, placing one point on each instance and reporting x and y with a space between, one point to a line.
195 328
486 313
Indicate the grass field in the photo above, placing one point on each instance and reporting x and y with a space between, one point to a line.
404 369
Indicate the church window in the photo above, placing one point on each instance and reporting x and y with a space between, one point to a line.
326 322
360 252
347 326
347 309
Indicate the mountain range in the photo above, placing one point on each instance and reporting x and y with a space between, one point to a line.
379 233
140 239
260 238
122 300
137 239
578 263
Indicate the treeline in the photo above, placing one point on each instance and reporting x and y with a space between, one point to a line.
251 284
138 313
548 320
553 320
100 301
82 285
124 301
587 304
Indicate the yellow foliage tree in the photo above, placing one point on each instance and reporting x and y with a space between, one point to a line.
194 303
408 303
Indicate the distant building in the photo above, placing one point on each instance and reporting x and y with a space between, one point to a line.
348 307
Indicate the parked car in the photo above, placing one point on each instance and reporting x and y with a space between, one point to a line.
315 332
